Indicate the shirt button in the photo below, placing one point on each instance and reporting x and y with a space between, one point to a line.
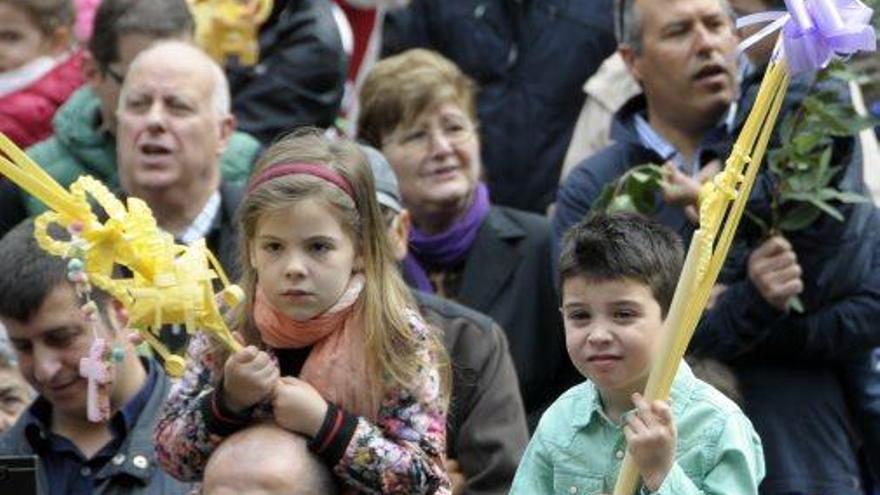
140 462
619 454
85 471
573 490
118 459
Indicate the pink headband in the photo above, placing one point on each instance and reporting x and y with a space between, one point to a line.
319 171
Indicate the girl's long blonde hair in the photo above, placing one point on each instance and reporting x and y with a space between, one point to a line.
391 345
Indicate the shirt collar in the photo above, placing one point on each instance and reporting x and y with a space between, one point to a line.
201 225
592 407
681 392
652 140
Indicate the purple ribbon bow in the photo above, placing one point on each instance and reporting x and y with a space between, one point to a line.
816 31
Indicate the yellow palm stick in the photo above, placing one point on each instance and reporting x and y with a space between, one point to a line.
19 168
722 203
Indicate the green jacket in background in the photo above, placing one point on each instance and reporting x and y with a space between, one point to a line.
79 146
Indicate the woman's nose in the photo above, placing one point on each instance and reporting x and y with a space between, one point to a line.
440 143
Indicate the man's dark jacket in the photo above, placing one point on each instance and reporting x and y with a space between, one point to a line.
130 476
530 59
506 276
300 78
222 239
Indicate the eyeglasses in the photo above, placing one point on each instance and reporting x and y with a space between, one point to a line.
116 76
420 140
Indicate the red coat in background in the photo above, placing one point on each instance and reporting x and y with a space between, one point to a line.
26 115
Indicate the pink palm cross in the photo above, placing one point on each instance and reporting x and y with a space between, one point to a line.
97 370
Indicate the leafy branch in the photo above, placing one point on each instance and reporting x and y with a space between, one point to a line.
804 178
801 165
635 191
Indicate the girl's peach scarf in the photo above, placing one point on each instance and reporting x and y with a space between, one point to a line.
336 365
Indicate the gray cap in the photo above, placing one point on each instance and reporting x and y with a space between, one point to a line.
387 190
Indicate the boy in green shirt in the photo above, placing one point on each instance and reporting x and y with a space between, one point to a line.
618 274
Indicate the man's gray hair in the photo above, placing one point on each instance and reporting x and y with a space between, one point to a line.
221 101
628 22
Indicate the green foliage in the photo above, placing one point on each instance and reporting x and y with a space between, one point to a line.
635 191
801 164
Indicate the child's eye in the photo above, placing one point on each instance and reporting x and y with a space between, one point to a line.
624 314
10 36
320 247
578 315
272 247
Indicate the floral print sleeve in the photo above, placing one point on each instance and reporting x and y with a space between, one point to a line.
403 452
193 422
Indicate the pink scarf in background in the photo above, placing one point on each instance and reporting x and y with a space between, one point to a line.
336 365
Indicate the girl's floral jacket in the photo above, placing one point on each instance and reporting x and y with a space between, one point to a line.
403 453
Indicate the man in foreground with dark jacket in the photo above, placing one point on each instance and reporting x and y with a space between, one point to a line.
51 334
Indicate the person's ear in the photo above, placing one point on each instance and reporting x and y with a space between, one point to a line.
631 59
398 234
252 254
227 127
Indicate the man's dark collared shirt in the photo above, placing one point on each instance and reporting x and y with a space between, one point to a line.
67 469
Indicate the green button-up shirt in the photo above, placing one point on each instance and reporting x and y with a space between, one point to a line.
577 449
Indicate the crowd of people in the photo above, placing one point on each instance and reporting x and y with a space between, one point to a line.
406 193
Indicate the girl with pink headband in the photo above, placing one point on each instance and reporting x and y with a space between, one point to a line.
334 349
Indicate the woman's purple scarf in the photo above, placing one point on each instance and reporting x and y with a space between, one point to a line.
447 248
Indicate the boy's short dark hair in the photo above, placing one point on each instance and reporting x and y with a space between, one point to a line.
624 245
48 15
155 18
28 274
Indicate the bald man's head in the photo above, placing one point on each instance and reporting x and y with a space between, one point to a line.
173 126
181 55
266 460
